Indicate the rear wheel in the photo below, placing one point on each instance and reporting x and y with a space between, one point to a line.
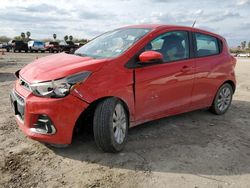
110 125
222 100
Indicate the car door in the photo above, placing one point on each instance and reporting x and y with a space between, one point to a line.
165 88
207 51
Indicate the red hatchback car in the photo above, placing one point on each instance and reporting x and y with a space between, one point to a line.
121 79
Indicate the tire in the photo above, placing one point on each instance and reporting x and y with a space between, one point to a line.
222 99
110 125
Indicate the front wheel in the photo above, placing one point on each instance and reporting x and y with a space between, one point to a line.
222 100
110 125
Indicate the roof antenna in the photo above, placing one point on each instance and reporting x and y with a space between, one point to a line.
194 23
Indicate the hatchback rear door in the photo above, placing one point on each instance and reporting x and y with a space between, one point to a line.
207 52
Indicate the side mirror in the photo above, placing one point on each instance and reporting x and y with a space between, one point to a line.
150 57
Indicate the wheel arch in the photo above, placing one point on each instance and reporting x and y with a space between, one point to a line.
86 117
231 83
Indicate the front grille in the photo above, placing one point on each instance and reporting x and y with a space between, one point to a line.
18 104
19 98
24 83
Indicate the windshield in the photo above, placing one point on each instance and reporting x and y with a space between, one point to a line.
113 43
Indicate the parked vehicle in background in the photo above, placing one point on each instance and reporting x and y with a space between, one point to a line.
52 46
62 45
5 46
243 55
68 46
18 46
36 46
123 78
10 44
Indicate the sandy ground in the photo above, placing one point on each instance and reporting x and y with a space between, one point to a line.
196 149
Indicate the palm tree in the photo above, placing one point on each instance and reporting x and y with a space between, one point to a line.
243 45
54 36
23 35
66 37
28 35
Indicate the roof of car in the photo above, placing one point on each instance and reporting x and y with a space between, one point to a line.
164 26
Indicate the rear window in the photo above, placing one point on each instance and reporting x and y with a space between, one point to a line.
38 43
19 42
206 45
54 43
70 42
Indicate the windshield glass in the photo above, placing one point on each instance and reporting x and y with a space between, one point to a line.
113 43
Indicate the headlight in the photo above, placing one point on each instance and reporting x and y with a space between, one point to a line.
58 88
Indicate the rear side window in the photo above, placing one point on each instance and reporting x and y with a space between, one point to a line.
206 45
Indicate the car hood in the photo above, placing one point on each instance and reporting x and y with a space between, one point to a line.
58 66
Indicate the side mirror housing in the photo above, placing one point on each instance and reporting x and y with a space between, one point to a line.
151 57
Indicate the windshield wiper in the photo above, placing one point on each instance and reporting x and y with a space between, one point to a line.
80 54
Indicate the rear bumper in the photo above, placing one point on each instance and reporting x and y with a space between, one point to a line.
63 112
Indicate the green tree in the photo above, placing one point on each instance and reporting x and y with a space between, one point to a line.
70 37
66 37
18 38
83 41
28 35
249 45
4 39
243 45
54 36
23 36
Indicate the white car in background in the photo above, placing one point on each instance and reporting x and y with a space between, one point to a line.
35 46
243 55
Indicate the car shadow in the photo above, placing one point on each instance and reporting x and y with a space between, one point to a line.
196 143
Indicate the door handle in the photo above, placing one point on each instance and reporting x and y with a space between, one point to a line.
186 68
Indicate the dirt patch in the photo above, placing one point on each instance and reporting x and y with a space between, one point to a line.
16 170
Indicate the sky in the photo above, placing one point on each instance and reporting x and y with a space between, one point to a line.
89 18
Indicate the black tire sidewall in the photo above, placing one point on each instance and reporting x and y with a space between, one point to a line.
103 126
